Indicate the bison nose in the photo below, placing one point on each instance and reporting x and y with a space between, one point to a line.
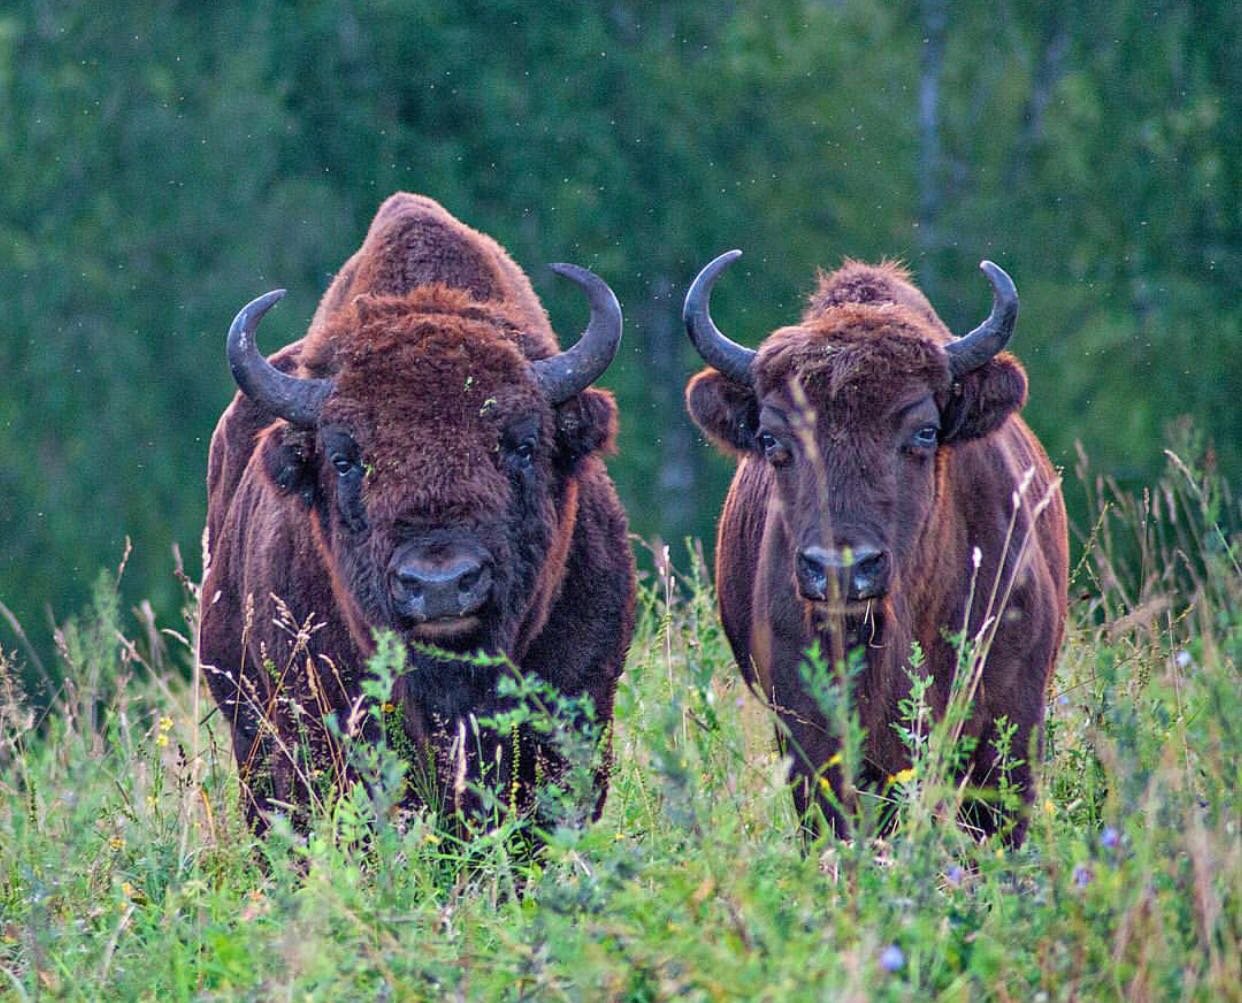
851 573
433 590
868 573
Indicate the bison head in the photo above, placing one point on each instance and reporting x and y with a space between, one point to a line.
851 410
435 457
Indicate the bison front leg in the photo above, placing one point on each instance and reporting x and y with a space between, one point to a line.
818 783
1000 779
581 650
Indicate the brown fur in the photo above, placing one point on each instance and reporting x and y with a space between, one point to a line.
428 332
854 381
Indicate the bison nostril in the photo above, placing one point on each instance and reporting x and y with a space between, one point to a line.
469 580
812 573
869 574
409 582
869 564
810 567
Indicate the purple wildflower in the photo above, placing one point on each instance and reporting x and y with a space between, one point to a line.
1109 838
891 958
1083 876
954 876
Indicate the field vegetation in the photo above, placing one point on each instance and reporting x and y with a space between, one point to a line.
126 870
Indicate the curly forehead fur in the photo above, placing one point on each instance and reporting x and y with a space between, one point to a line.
859 282
862 348
378 325
428 383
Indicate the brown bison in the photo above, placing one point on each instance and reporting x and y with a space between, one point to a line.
424 461
887 493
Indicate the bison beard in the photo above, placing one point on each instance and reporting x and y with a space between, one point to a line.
424 461
877 456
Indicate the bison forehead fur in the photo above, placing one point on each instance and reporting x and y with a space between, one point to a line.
869 474
437 490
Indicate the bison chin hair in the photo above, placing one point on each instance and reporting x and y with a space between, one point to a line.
857 625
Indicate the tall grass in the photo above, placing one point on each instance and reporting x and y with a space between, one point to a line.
126 870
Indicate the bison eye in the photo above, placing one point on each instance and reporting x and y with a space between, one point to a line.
926 437
775 453
343 464
523 452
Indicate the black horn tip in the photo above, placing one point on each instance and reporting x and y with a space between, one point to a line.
701 287
1005 292
256 308
296 400
573 370
599 293
984 342
572 271
717 350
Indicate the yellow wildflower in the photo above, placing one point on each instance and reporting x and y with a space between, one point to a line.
117 842
902 776
166 723
161 740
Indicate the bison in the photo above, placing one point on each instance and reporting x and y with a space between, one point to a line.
425 461
887 493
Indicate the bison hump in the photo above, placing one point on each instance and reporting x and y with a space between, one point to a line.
415 242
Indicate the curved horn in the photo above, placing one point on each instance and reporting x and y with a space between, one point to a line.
573 370
975 349
717 350
297 401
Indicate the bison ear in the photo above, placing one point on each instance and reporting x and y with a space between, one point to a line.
585 424
988 395
727 412
288 457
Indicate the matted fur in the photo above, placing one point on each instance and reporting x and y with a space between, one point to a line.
862 371
428 332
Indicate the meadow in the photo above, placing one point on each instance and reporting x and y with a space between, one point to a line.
127 872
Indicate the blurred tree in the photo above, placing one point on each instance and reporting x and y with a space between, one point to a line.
164 164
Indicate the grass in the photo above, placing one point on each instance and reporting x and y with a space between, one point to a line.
126 871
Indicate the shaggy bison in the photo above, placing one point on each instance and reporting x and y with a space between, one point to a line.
887 493
425 461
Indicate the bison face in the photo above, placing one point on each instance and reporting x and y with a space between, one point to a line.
436 463
850 411
435 482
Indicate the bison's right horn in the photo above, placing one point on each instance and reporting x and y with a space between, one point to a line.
976 348
717 350
570 372
297 401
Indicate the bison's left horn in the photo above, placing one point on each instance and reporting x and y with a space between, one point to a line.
297 401
975 349
717 350
573 370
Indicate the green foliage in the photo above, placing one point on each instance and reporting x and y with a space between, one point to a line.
163 164
127 872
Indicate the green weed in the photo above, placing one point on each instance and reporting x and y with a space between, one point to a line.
127 871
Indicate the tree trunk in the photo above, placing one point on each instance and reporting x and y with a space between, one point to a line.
933 19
